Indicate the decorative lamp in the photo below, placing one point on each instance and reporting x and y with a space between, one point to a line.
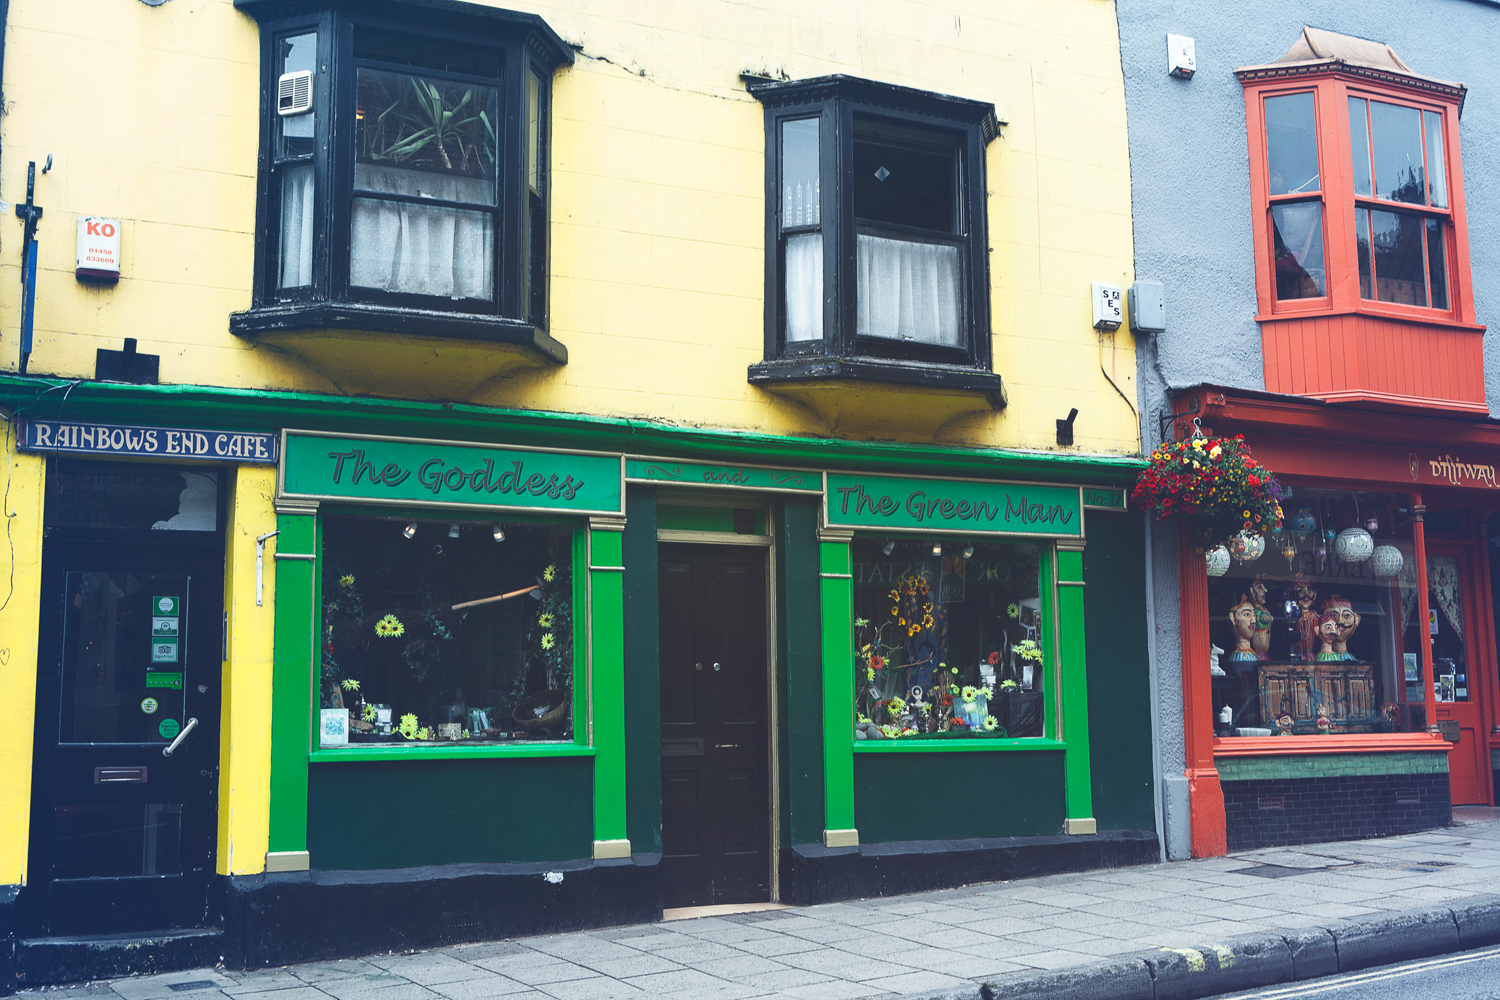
1354 545
1218 560
1372 523
1303 521
1387 561
1247 546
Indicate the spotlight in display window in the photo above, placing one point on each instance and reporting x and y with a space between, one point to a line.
888 547
453 530
410 531
937 548
499 533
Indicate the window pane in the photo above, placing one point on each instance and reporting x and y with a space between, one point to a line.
113 841
948 637
533 131
402 642
84 494
1400 271
421 249
801 200
118 683
438 133
299 52
1437 270
910 291
1444 628
1306 642
1397 132
804 287
1437 171
295 270
1359 144
1362 247
1292 144
906 186
1298 233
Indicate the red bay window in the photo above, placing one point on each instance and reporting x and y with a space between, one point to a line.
1362 263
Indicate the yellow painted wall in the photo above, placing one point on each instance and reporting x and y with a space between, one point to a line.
245 737
657 207
20 594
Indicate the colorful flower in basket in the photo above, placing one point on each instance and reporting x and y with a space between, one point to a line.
1216 482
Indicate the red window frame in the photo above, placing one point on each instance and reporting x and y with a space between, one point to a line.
1332 88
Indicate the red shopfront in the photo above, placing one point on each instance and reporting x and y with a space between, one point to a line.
1343 684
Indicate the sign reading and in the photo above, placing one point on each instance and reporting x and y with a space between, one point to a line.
148 442
662 471
950 505
405 471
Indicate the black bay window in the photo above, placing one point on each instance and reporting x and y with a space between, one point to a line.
403 180
876 247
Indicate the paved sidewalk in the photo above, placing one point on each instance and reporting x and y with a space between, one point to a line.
940 942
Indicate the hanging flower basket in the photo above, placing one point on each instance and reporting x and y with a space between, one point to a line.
1215 483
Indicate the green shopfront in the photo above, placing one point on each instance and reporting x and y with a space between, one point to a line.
536 672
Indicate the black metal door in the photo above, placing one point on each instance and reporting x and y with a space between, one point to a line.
714 734
127 735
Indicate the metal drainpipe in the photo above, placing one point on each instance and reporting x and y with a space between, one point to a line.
1157 792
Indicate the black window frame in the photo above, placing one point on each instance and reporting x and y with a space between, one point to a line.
848 108
517 311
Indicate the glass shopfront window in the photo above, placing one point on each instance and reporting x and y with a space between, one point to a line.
1316 634
441 631
949 639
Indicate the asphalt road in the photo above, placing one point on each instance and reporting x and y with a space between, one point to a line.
1469 975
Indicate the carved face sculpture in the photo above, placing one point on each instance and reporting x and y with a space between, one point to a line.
1258 592
1344 614
1303 593
1242 616
1328 630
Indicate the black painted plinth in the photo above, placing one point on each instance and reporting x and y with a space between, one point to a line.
8 894
816 874
1280 812
45 961
284 917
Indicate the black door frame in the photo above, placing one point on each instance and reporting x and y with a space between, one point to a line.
191 773
737 499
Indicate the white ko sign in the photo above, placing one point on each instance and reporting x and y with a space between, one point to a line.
98 248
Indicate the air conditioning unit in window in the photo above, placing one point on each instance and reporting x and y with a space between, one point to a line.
294 93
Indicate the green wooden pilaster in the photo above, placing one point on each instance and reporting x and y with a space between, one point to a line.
837 594
1072 677
294 674
606 695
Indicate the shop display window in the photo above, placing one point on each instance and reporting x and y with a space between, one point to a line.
439 631
949 639
1316 634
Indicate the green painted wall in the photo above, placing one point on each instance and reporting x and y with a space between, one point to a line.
721 519
799 690
1331 765
408 813
1119 673
642 673
954 796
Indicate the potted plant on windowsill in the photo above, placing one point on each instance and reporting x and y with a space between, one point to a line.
1214 482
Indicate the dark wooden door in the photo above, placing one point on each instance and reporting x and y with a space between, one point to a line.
714 735
127 735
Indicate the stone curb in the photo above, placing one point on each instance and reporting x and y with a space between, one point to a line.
1247 963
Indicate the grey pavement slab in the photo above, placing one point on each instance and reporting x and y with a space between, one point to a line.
923 944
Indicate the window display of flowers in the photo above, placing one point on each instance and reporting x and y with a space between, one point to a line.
425 632
1215 482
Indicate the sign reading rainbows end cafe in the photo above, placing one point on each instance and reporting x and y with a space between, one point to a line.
422 473
957 506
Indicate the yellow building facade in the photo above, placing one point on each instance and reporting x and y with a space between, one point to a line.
616 285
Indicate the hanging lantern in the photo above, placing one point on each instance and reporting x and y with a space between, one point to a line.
1354 545
1372 524
1290 552
1302 521
1247 546
1387 561
1217 559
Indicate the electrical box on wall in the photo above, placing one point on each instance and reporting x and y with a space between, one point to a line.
1182 59
1148 307
98 248
1109 307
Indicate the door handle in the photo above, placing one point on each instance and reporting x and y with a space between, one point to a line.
697 666
724 746
716 666
167 750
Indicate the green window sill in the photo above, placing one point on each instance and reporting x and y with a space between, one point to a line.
406 751
955 746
